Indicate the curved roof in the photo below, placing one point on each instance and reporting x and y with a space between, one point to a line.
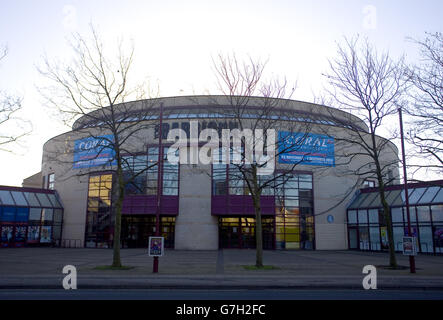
217 106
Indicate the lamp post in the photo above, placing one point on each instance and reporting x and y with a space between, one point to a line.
159 185
411 258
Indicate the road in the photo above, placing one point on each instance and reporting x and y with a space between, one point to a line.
179 294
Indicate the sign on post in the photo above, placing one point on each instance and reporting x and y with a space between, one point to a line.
156 246
409 246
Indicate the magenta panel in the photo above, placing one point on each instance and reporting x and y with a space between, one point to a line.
241 205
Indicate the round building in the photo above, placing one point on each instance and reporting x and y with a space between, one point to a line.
207 206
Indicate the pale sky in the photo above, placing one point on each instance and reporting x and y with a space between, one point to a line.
174 41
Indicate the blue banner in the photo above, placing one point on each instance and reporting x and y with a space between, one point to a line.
94 151
306 148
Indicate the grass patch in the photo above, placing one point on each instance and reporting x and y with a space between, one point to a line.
113 268
254 267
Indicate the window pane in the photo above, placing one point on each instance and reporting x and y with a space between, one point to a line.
437 233
423 214
58 216
426 239
398 238
32 200
416 195
44 200
35 214
352 216
47 215
375 238
397 215
367 202
439 197
364 238
429 195
8 214
55 201
19 198
373 216
437 213
6 198
362 216
22 215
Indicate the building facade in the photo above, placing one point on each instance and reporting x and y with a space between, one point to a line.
207 206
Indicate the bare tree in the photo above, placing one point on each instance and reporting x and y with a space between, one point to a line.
370 85
242 82
12 127
427 110
96 88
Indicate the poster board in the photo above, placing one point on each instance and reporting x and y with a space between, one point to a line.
409 246
156 246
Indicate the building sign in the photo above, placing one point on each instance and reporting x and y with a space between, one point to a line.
156 246
94 151
306 148
409 246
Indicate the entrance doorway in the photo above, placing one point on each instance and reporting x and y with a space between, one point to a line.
136 230
239 232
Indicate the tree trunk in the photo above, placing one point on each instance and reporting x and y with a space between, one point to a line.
387 216
258 233
256 194
116 260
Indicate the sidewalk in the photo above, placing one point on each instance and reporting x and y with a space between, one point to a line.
42 268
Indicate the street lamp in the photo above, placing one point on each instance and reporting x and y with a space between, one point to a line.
159 185
411 257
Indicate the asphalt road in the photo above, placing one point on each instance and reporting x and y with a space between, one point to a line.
168 294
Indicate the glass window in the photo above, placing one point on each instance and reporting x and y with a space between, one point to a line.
439 197
47 215
437 233
352 216
51 180
416 195
375 238
364 238
429 195
368 200
437 213
369 184
19 198
58 216
394 198
397 215
412 214
362 216
8 214
426 239
423 214
373 216
32 199
305 181
6 198
54 201
44 200
35 214
219 179
22 215
360 198
398 238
